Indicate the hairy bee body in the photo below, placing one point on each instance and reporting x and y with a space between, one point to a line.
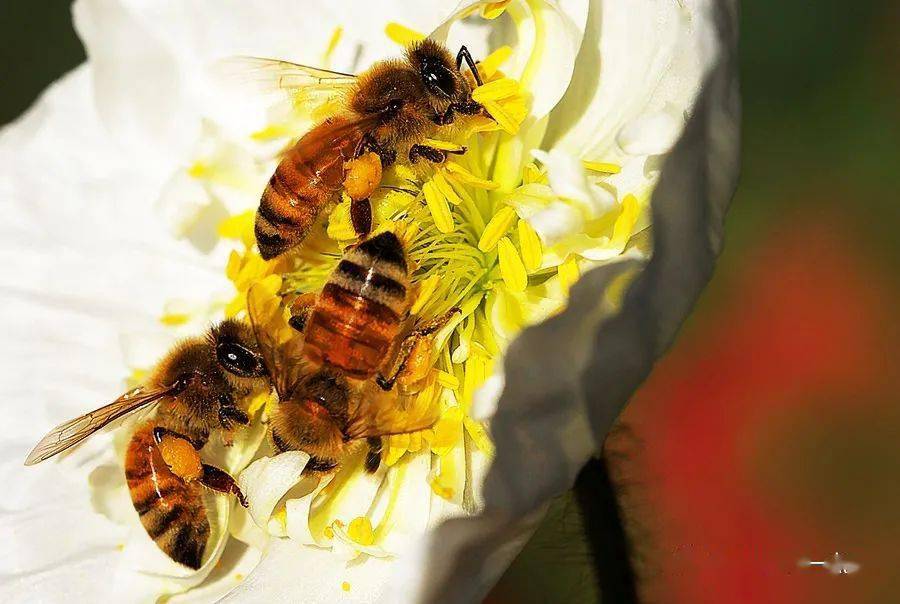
358 314
387 110
307 178
336 383
196 390
171 510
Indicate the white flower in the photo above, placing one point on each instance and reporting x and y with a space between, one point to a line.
630 101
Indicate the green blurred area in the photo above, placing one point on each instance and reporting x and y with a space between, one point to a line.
821 132
821 94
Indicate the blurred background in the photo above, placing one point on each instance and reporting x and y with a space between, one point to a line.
769 436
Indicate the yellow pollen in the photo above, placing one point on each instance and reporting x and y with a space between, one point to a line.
345 586
360 530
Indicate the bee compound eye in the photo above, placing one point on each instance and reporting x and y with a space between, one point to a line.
438 79
239 360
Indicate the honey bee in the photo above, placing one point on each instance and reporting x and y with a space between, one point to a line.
336 381
389 108
196 388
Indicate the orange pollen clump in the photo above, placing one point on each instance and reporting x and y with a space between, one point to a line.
181 457
363 176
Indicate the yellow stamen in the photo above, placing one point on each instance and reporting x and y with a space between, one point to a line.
332 43
271 132
530 246
496 228
532 174
479 436
493 10
239 226
448 191
504 119
511 267
345 586
360 530
173 319
626 220
491 63
496 90
442 145
461 175
604 167
437 205
568 273
402 35
426 290
447 380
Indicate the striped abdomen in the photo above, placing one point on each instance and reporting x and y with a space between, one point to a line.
357 316
305 181
171 510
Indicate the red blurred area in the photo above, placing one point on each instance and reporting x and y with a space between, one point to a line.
771 433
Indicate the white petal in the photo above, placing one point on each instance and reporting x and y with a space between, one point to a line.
650 134
569 181
568 378
638 57
545 38
555 222
267 480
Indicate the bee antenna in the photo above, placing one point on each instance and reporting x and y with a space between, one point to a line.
465 55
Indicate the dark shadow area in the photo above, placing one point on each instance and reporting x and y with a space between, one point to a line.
37 45
595 495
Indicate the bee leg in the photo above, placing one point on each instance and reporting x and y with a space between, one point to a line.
221 481
388 156
361 216
442 119
230 414
469 107
465 55
301 309
435 156
373 455
408 344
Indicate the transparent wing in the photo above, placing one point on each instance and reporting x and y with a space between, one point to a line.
280 344
379 413
74 431
270 75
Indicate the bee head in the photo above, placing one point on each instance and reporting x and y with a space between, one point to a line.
438 72
236 349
